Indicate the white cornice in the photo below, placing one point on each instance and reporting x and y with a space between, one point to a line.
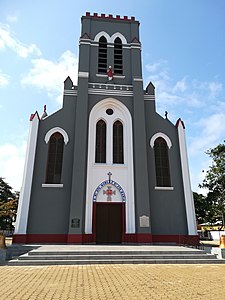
92 91
94 44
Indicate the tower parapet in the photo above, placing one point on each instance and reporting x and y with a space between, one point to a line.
110 17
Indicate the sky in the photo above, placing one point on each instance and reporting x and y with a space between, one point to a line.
183 54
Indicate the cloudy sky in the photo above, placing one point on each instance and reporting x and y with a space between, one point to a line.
183 52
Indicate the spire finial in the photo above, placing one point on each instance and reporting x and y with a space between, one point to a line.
166 114
44 115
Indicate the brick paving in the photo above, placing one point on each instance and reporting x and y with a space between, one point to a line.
113 282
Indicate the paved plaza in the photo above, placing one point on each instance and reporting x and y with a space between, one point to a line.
113 282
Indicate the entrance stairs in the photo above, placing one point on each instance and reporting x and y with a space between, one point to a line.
113 254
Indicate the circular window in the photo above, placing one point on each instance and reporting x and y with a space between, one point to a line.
109 111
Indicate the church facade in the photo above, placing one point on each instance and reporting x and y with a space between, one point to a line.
106 167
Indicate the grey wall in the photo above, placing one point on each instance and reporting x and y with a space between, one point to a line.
168 213
49 207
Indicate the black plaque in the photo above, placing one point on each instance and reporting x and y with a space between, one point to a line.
75 223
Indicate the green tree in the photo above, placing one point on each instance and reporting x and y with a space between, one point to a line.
203 209
215 181
8 205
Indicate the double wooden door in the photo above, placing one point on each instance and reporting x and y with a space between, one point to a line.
108 223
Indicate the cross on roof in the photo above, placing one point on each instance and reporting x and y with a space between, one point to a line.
109 174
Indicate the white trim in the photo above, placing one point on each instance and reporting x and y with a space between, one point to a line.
119 76
73 91
164 188
149 97
24 200
101 75
121 173
124 46
135 47
137 79
119 35
108 92
188 195
83 74
52 185
100 34
70 94
111 84
164 136
85 43
110 39
56 129
114 76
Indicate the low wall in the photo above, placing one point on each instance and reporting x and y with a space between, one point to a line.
216 235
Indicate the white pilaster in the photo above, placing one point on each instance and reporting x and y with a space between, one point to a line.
24 200
188 195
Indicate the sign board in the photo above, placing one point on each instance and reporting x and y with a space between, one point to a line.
144 221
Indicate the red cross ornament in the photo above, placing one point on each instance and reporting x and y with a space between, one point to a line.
109 192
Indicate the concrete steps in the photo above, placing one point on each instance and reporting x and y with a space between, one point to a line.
13 251
83 255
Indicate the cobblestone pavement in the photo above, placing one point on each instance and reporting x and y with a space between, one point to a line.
113 282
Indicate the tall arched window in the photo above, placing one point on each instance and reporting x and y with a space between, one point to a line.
55 158
118 56
102 55
162 163
100 146
118 157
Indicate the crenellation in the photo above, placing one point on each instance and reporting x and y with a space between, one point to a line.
110 16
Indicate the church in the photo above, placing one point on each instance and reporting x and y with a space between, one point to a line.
106 168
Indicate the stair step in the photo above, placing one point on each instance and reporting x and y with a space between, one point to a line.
83 255
119 261
190 252
114 257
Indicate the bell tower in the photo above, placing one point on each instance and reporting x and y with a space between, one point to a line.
110 80
110 41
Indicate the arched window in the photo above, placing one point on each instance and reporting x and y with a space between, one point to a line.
55 158
118 143
118 56
162 163
102 55
100 146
